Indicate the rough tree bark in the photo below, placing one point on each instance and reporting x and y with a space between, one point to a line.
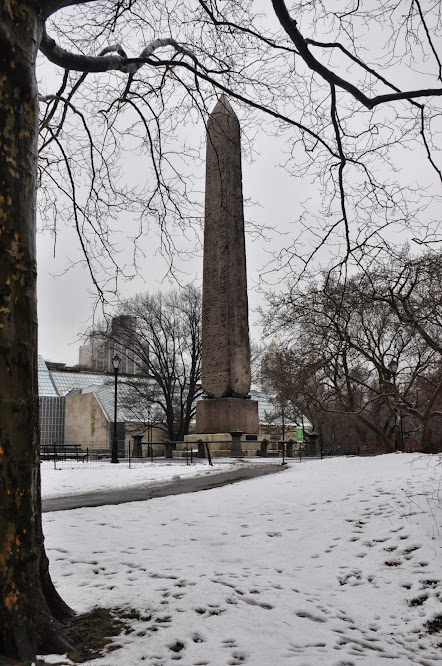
31 611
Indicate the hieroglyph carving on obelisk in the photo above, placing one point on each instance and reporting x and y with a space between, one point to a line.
225 326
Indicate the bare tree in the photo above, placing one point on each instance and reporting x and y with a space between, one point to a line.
366 346
410 288
166 346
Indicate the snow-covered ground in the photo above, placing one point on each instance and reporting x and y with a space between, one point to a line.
333 562
75 478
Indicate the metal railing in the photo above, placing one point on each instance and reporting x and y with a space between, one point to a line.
135 452
130 453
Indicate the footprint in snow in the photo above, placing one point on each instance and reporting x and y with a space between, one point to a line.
238 658
309 616
298 648
393 563
429 582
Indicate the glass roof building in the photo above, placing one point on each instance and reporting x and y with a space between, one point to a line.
51 406
45 383
57 385
65 382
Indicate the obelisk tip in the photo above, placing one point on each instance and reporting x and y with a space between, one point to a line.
223 106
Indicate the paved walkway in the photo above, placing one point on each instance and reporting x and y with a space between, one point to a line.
146 492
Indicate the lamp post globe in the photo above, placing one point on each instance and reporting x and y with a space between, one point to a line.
393 367
116 360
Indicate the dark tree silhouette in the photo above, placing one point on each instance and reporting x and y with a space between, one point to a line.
368 346
166 347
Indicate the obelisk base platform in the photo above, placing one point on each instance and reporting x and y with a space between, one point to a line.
227 414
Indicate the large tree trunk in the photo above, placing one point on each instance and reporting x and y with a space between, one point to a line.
30 608
426 437
384 440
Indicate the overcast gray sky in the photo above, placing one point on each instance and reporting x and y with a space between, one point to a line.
66 297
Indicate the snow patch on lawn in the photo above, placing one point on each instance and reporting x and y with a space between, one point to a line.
333 562
76 478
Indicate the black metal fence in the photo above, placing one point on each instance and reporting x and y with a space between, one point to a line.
136 452
130 453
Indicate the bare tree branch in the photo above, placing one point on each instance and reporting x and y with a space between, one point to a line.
290 26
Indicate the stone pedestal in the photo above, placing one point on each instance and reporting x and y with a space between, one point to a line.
227 414
201 448
137 448
221 444
236 450
170 446
263 449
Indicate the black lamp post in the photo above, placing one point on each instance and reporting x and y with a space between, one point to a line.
116 366
149 427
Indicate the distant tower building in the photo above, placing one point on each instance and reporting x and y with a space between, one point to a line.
97 353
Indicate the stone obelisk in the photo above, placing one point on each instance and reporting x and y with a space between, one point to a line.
225 327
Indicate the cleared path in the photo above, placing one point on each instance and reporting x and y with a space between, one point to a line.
142 493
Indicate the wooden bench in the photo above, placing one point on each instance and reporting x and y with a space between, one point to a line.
99 454
185 453
63 452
